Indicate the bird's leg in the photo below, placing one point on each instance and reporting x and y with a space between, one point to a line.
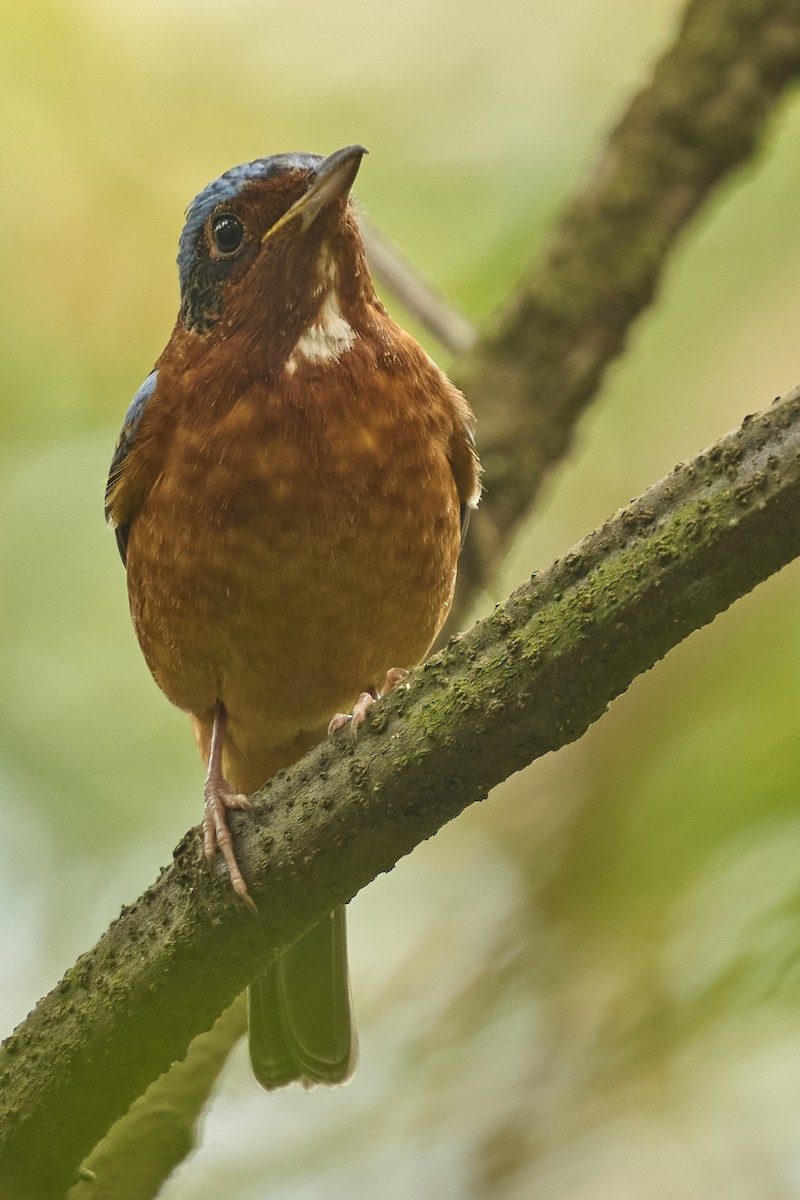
364 703
219 797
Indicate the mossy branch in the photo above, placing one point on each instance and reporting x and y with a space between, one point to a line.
526 680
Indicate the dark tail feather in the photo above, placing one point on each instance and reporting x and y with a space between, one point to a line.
301 1022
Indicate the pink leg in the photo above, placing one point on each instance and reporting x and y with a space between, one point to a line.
364 703
219 797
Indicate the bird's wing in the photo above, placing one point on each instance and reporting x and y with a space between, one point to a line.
469 489
463 458
119 509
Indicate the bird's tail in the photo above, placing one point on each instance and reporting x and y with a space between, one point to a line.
300 1016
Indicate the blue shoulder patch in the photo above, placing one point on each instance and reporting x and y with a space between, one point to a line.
123 447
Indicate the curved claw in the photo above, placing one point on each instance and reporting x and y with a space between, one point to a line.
364 703
219 797
337 722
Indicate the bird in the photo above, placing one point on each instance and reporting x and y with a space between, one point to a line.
289 493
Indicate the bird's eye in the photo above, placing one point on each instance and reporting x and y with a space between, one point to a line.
227 232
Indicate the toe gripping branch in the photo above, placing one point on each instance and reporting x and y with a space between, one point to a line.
364 703
219 799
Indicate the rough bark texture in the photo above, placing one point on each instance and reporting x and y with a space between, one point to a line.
528 679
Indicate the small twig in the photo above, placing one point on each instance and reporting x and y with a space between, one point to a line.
447 325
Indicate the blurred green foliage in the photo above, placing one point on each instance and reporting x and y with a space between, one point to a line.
587 988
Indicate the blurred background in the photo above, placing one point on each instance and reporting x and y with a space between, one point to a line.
587 987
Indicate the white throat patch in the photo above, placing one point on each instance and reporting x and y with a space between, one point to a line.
330 335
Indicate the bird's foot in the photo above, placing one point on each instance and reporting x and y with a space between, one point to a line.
219 798
364 703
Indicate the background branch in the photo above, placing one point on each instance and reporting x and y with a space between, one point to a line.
529 679
533 373
160 1129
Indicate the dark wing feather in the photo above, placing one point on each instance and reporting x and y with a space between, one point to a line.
125 442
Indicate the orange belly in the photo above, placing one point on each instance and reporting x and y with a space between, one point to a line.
282 566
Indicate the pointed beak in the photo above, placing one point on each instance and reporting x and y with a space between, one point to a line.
331 180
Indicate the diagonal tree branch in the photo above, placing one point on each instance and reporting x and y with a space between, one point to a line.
532 375
527 680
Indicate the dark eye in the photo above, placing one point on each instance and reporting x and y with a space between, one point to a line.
227 232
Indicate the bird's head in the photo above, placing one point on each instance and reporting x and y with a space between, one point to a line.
269 244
